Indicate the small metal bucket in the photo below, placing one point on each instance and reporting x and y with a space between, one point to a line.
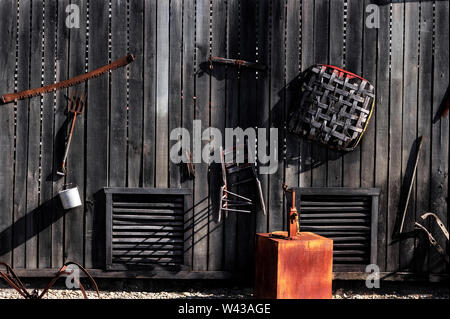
70 197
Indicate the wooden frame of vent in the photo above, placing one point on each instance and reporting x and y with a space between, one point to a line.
372 193
111 192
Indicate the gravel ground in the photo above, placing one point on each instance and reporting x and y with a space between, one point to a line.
352 291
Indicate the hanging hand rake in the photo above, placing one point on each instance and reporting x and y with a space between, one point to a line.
76 106
13 280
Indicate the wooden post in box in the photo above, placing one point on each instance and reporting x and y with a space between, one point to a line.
293 264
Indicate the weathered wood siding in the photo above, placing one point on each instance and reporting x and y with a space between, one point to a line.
122 139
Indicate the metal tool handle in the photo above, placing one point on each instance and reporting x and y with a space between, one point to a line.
66 152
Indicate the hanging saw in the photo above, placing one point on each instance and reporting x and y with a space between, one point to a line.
10 97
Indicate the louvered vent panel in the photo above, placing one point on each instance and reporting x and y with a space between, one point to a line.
146 230
347 219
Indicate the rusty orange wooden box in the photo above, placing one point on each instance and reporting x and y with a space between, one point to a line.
298 268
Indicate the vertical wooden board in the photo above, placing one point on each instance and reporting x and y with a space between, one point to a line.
382 130
307 60
97 129
202 112
20 174
162 93
277 116
292 88
188 117
218 95
136 94
149 93
440 133
369 69
336 57
395 132
263 99
424 118
118 104
73 241
8 25
409 132
232 120
321 25
46 194
353 61
247 107
175 78
60 128
34 132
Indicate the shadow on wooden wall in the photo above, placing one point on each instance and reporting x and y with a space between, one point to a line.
36 221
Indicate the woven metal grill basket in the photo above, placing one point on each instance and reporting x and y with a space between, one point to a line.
335 107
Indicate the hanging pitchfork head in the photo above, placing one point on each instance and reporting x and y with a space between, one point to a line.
76 106
77 103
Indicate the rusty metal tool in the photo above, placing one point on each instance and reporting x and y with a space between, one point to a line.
239 63
438 221
433 242
294 227
13 280
76 106
10 97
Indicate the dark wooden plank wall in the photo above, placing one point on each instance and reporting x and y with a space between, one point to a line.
123 137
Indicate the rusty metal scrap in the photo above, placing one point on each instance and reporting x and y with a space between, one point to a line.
10 97
438 221
433 242
14 281
294 228
239 63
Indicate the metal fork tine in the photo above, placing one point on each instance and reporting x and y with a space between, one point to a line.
83 104
71 101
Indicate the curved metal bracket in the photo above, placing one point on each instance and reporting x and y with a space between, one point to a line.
433 242
438 221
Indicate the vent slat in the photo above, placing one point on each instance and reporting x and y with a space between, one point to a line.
139 234
340 233
349 245
327 221
147 227
334 208
146 253
335 215
351 238
171 212
334 227
335 203
131 222
153 246
147 240
348 252
149 260
148 205
148 217
143 198
350 259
